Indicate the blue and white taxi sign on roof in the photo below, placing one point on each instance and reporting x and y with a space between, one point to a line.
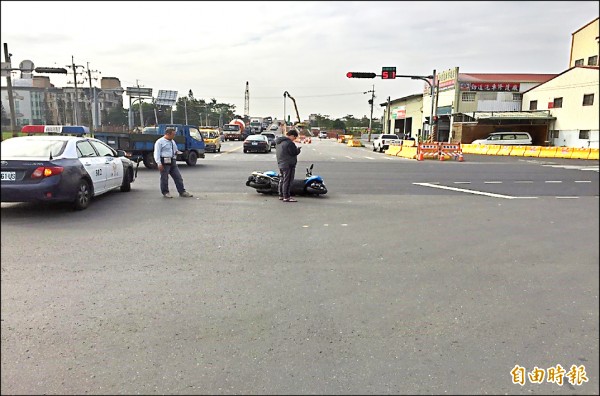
64 129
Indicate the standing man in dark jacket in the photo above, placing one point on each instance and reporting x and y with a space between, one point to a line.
287 153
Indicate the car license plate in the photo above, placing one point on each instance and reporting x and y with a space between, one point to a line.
254 144
9 176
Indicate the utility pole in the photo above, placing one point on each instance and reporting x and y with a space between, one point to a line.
140 99
372 91
93 102
388 115
185 107
11 99
76 108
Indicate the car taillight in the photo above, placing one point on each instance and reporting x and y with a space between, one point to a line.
46 171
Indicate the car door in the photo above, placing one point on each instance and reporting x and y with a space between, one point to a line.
113 164
93 165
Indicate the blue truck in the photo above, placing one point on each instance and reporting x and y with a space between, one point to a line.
140 146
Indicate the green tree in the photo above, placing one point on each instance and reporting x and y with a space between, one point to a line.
116 116
338 124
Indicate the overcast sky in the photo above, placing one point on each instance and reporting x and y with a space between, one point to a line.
305 48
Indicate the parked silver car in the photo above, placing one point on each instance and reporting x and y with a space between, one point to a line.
507 138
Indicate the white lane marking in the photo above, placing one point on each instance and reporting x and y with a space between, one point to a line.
369 158
492 182
553 181
347 156
567 197
332 157
472 191
523 181
583 181
462 182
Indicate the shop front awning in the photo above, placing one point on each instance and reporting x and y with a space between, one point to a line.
511 115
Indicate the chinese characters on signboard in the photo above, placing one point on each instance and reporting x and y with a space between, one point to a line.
490 86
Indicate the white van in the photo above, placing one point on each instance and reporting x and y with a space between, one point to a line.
507 138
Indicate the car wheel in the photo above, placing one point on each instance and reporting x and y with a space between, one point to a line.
126 185
84 195
149 161
245 151
374 148
380 149
192 158
219 150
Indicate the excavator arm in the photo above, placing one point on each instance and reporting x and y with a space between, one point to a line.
299 123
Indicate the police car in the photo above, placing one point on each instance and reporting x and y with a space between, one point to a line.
57 163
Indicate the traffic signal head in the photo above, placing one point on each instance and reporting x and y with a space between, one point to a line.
360 75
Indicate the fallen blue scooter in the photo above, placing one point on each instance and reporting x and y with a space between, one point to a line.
268 183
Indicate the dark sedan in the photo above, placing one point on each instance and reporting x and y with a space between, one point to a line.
257 144
271 137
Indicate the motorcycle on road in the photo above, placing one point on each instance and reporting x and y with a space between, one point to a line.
268 183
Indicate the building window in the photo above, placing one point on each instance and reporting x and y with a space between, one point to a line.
593 60
517 97
584 134
468 96
557 103
588 100
554 134
579 62
533 105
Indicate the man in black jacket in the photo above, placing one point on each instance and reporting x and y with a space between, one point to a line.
287 153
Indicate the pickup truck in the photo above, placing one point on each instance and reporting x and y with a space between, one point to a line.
383 141
140 146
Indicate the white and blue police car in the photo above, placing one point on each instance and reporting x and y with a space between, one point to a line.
58 163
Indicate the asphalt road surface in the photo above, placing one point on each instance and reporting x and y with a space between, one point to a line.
408 277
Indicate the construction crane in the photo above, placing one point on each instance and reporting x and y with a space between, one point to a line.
247 101
300 125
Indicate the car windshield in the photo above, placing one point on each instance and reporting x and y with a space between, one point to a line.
390 137
269 135
231 127
31 147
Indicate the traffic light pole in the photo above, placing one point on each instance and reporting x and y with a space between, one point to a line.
385 75
431 115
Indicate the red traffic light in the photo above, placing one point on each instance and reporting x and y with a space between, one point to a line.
360 75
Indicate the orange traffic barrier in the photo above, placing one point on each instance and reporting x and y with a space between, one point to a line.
518 151
450 150
580 153
428 151
548 151
593 154
563 152
532 151
505 150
